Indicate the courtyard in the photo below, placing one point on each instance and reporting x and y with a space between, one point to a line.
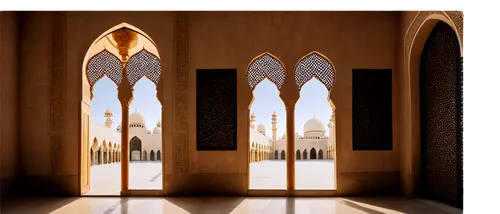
269 174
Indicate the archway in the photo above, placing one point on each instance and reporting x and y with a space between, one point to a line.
121 53
283 155
320 154
314 75
297 155
144 155
135 149
313 154
440 116
152 155
158 155
304 154
265 76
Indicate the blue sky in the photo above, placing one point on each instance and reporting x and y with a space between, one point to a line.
313 102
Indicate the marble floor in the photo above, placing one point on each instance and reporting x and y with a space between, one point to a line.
222 205
309 174
270 174
105 179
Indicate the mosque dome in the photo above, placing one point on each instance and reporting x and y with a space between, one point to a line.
261 128
136 118
157 129
314 125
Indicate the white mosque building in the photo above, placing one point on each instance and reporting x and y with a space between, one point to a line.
105 142
313 144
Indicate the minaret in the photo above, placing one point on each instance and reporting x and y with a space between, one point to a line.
274 121
252 120
331 127
109 118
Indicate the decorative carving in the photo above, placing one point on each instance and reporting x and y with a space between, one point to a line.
56 154
216 109
458 20
456 17
181 71
125 40
104 63
57 83
266 65
314 65
57 93
142 64
180 153
372 109
440 115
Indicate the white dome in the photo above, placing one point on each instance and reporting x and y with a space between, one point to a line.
157 130
314 125
261 128
136 118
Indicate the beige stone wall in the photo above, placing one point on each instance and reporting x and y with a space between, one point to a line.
216 40
9 101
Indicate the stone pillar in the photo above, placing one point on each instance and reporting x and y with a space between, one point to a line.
125 96
290 146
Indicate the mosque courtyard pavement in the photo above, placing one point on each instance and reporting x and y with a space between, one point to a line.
269 174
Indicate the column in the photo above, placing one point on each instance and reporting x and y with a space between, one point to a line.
290 146
125 96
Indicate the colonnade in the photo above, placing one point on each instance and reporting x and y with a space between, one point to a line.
104 155
330 152
260 153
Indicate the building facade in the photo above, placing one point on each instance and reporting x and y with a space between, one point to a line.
105 146
316 142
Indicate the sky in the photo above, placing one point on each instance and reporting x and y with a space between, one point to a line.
312 102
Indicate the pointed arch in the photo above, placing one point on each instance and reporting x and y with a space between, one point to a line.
95 144
317 65
264 66
283 157
158 155
103 58
313 154
143 63
297 155
304 154
320 154
276 155
104 64
152 155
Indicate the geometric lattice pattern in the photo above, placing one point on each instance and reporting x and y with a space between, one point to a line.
142 64
440 115
104 63
314 65
264 66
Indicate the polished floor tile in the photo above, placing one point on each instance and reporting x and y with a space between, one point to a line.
222 205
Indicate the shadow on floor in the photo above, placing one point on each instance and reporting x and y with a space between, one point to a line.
223 205
404 205
42 205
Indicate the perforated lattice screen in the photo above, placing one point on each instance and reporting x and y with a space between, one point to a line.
142 64
266 66
314 65
102 64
